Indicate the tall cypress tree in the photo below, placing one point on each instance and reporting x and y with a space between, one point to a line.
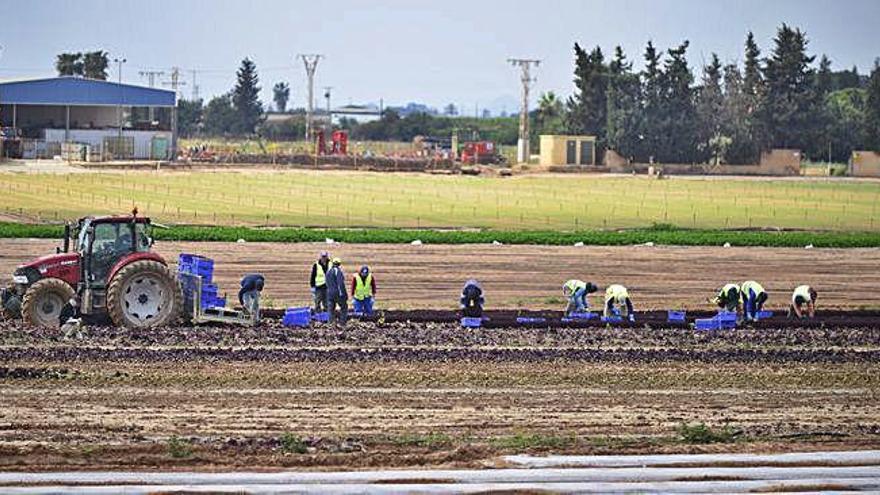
752 80
650 131
246 98
872 109
587 107
710 105
791 102
678 129
623 106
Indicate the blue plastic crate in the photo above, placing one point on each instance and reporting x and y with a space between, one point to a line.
296 317
529 319
706 324
612 319
764 314
726 316
471 322
585 315
322 317
675 316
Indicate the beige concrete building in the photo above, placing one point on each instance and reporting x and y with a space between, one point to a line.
559 150
865 164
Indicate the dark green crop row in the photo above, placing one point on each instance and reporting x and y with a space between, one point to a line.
658 235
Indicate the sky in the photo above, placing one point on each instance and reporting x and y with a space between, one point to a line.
435 52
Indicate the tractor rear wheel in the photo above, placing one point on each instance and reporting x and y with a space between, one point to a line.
42 302
144 294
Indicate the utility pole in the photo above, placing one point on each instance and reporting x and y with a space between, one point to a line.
522 145
195 87
310 61
175 83
151 77
119 62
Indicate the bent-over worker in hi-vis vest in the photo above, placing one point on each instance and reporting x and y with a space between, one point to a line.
576 291
803 302
363 290
472 299
617 294
727 298
754 296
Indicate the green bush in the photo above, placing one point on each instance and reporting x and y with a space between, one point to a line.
292 444
701 433
179 448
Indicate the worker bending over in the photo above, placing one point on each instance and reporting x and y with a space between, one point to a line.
727 298
249 294
318 281
472 300
576 291
363 289
804 297
617 294
337 296
754 296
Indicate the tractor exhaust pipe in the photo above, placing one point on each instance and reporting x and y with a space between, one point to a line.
66 237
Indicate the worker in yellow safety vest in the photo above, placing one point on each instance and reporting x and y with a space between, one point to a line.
363 290
803 295
617 294
727 298
318 281
576 291
753 296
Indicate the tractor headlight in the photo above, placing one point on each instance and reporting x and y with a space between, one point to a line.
20 279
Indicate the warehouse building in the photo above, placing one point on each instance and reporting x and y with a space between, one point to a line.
87 120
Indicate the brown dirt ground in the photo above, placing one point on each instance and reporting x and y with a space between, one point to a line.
430 276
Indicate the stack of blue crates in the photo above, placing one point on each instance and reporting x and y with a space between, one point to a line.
723 320
193 264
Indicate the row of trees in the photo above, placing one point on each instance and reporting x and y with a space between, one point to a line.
730 115
89 64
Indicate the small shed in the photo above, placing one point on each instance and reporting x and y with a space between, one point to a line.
567 150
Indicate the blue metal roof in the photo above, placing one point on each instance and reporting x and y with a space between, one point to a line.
80 91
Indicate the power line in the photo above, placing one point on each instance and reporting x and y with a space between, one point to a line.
526 78
151 76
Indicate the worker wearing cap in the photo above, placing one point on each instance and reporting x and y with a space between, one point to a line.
803 297
727 298
753 296
249 294
617 294
318 281
363 289
337 296
472 299
576 291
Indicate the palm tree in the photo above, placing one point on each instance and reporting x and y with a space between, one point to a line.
550 112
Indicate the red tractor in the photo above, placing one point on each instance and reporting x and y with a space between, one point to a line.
481 152
111 271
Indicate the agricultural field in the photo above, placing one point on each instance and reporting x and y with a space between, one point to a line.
405 394
528 277
522 203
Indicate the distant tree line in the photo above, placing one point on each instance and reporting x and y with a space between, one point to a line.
730 115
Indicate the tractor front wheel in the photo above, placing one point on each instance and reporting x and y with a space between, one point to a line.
144 294
42 302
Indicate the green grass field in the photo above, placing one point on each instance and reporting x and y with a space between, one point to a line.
366 199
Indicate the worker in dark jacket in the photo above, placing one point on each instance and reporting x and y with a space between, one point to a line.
337 295
249 294
472 299
318 281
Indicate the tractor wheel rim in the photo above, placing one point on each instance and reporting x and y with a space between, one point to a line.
144 298
49 308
